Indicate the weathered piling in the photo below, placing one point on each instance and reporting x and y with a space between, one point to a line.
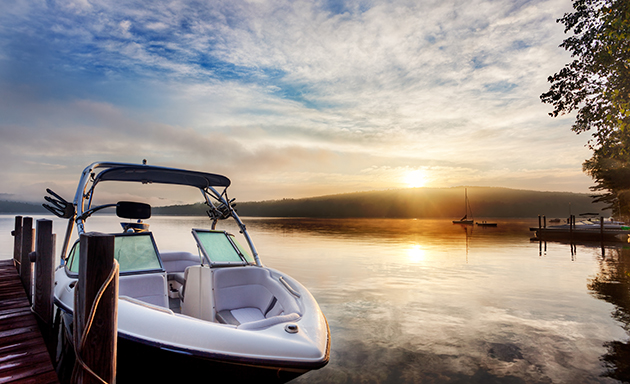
17 241
44 280
28 243
95 329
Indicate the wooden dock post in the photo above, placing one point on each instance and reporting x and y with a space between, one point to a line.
539 225
96 337
17 241
601 227
44 280
544 221
26 270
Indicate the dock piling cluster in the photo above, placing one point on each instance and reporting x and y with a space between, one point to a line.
590 232
28 245
95 324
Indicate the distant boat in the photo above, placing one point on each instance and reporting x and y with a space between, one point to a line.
465 220
486 224
589 229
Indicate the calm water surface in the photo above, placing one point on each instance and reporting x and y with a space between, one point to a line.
426 301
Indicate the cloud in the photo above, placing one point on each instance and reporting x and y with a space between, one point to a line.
271 90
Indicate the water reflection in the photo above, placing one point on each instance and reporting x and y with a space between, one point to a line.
415 254
425 229
425 301
612 284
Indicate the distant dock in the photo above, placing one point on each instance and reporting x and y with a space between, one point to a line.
23 354
592 232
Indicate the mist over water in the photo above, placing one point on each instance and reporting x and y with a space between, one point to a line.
426 301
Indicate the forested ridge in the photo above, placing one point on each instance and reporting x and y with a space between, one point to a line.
398 203
416 203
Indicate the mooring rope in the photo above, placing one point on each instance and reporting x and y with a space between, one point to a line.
78 346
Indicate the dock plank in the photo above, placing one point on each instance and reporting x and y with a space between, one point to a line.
23 355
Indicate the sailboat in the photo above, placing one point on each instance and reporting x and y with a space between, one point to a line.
465 220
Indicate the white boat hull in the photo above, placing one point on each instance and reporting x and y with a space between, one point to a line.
151 336
229 312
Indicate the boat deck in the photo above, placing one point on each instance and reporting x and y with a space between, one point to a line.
23 354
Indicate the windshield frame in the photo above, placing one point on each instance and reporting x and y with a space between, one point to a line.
72 257
220 206
197 233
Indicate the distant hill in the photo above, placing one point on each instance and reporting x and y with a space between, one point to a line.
20 207
198 209
415 203
398 203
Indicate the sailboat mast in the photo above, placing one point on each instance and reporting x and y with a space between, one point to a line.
468 209
466 202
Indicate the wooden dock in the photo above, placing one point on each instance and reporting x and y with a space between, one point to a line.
23 354
572 232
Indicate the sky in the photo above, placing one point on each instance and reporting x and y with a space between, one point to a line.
288 99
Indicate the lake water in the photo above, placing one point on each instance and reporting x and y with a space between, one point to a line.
426 301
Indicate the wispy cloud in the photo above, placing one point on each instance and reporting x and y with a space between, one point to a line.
271 90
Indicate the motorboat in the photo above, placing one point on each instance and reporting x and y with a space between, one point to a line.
216 314
590 228
596 223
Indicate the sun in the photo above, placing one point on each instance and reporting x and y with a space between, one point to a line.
415 179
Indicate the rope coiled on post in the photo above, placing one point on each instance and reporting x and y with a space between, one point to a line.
79 345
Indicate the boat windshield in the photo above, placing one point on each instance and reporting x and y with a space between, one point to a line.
220 248
135 252
242 249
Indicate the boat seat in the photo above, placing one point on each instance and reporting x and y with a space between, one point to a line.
147 287
250 298
239 316
252 318
175 262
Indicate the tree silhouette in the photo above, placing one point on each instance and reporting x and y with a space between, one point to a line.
596 84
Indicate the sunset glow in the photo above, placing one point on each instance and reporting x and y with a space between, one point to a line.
416 178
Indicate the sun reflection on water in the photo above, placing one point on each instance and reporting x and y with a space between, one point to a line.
416 254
